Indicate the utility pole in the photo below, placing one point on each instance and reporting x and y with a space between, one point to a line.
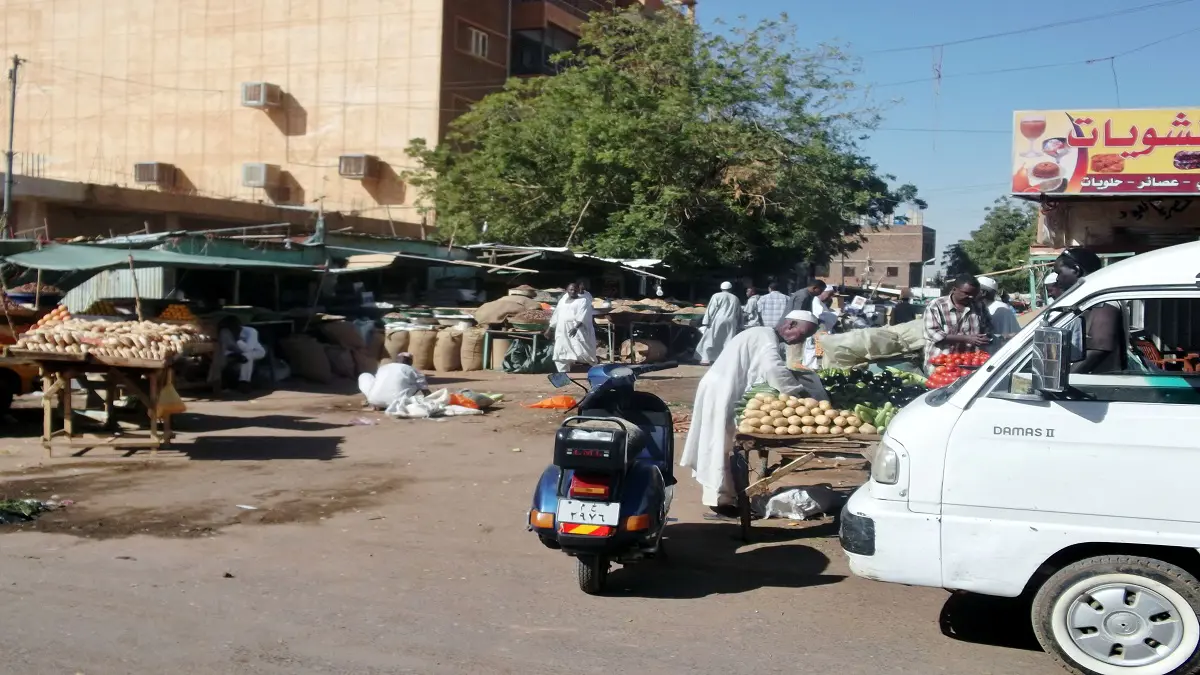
8 156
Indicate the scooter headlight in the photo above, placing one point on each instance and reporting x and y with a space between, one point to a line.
591 435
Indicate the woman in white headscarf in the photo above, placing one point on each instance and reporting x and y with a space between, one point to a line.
722 320
574 329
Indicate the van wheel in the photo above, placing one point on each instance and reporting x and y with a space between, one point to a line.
1120 615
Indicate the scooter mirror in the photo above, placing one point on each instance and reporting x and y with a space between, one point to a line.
559 380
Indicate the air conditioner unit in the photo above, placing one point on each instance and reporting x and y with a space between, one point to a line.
259 175
154 173
261 95
359 167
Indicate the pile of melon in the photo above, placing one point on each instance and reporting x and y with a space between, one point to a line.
772 414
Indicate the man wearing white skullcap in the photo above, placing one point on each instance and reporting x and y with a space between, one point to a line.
723 319
750 358
1004 318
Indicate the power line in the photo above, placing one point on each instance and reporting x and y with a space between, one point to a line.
942 131
1032 29
1043 66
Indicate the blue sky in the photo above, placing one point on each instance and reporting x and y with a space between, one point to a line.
960 174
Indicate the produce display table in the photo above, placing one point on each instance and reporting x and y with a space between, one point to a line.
145 379
794 452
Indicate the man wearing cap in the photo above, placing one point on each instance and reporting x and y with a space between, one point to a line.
750 358
722 320
1004 319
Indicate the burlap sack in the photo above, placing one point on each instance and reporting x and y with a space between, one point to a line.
497 311
375 345
341 361
472 349
344 334
364 362
307 358
499 351
421 344
643 351
397 342
447 353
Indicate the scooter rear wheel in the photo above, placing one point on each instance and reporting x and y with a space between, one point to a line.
593 574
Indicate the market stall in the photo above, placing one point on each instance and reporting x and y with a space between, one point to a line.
798 431
110 360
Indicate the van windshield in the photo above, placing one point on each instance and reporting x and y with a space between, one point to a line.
942 394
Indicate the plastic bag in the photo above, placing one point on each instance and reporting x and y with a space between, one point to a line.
464 401
858 347
169 403
560 402
802 503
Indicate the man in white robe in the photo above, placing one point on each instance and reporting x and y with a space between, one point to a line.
750 358
574 329
722 320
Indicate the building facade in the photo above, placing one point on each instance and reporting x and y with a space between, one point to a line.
894 256
179 114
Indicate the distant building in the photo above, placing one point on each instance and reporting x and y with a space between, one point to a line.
893 256
181 114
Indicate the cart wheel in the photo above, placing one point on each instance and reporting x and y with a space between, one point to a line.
593 574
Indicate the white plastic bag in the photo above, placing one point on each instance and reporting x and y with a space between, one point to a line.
802 503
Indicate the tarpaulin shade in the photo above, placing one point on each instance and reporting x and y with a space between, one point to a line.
68 257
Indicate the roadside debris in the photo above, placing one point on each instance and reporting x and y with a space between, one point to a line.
25 510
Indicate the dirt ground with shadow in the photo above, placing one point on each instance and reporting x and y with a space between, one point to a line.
373 545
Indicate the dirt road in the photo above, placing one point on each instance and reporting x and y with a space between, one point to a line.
379 546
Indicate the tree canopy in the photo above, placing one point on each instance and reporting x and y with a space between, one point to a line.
1001 243
657 139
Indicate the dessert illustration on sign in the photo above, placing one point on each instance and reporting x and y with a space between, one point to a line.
1187 160
1110 163
1045 170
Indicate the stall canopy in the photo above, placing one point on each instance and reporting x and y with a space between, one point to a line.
68 265
509 256
71 258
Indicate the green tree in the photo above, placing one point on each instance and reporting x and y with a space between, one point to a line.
660 140
1002 242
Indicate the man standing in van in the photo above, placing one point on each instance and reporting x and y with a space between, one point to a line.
956 323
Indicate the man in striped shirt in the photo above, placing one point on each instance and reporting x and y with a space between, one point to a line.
957 322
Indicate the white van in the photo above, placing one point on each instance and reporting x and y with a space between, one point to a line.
1077 491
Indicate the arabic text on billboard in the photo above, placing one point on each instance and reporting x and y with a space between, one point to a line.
1124 152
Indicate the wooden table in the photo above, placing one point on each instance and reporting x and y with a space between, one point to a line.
535 336
794 452
144 379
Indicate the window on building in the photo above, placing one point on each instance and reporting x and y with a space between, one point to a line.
893 272
849 271
477 43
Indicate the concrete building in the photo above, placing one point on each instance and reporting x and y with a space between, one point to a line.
177 114
894 256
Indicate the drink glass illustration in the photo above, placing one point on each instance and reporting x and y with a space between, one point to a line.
1032 128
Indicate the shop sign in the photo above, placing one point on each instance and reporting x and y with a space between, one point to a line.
1107 152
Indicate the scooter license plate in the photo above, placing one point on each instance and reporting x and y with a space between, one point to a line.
588 513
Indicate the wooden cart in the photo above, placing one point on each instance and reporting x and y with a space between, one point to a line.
104 378
794 452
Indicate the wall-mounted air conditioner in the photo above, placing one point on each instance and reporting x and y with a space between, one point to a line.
154 173
261 95
259 175
358 167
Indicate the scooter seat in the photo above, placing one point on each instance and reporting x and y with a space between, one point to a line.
635 437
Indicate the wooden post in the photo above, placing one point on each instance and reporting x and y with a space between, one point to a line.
37 293
137 294
237 287
7 317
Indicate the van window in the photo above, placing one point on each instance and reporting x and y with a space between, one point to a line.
1156 357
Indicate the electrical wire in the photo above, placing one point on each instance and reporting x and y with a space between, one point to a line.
1043 66
1048 25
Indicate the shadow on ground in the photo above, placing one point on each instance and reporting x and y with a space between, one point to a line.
710 559
986 620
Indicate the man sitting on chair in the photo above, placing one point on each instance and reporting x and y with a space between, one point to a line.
240 346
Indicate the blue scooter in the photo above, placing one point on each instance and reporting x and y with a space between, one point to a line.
606 496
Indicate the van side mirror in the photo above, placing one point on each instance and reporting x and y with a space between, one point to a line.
559 380
1052 360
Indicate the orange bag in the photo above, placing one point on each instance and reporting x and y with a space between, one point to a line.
464 401
560 402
